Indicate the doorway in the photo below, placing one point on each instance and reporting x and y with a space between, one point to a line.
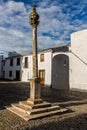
42 76
18 75
60 71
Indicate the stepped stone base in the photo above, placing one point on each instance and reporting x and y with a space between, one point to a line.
29 111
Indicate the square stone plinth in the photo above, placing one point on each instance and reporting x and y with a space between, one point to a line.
35 91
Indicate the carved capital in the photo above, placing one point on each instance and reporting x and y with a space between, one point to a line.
34 17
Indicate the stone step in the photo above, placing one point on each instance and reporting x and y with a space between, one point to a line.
42 110
27 117
35 106
21 114
34 111
45 114
20 107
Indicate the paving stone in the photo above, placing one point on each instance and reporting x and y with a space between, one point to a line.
76 101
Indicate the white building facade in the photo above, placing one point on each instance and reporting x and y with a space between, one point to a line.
44 66
62 67
79 59
12 68
20 67
53 67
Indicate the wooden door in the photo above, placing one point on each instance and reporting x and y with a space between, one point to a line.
42 76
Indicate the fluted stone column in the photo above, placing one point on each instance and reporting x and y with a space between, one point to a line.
35 96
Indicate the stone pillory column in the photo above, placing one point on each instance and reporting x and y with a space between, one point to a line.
34 107
34 17
34 82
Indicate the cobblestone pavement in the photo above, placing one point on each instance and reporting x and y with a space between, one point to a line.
75 119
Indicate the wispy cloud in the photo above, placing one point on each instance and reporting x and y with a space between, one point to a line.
58 20
14 27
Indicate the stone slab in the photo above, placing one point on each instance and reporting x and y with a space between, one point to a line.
34 106
26 112
28 117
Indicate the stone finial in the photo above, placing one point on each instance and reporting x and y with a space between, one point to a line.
34 17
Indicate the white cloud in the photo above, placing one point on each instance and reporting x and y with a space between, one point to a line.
13 40
56 20
13 34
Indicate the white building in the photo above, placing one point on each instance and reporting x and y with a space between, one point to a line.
12 67
19 67
79 60
44 66
62 67
74 74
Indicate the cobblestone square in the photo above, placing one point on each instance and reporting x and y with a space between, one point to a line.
76 101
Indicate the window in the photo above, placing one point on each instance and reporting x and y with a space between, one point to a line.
26 62
3 74
11 62
3 63
41 57
18 61
10 73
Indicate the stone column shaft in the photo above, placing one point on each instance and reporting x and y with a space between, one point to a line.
35 97
34 50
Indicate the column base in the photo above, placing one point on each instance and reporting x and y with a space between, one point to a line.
34 101
35 94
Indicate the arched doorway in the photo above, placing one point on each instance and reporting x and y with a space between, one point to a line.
60 71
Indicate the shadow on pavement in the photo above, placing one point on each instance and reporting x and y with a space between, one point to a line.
13 92
72 123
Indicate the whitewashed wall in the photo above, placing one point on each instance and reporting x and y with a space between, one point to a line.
13 68
46 65
26 72
79 59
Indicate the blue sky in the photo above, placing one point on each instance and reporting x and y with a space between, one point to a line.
58 19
